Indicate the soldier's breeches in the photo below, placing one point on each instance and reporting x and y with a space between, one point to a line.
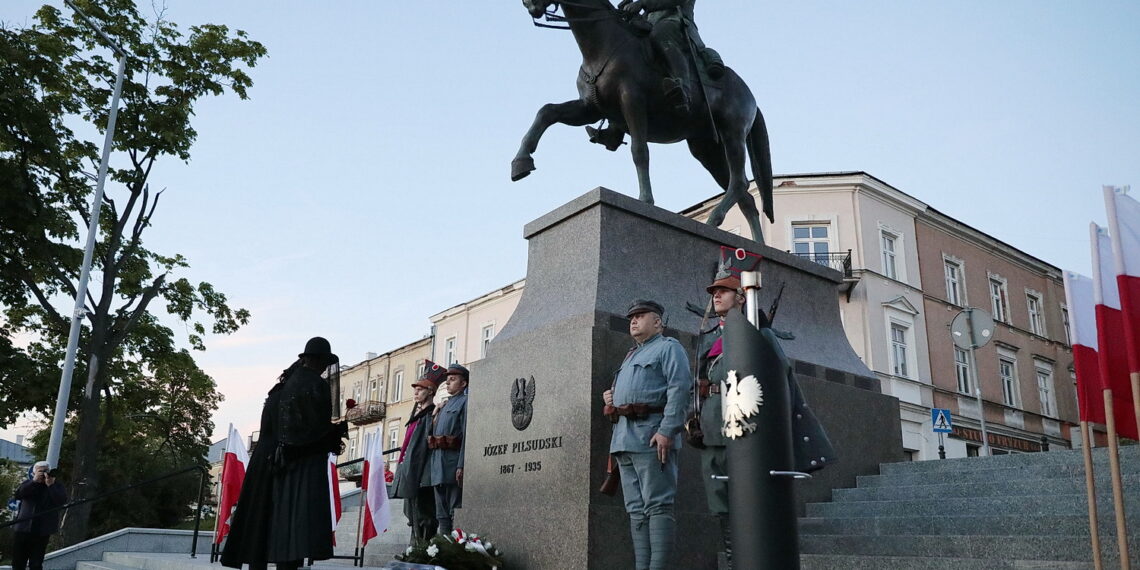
447 499
648 486
714 463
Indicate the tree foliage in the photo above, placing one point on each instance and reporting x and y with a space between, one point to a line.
142 401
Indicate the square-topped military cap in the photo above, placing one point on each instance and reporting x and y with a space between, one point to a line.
644 306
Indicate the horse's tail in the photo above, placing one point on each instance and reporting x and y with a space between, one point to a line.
761 156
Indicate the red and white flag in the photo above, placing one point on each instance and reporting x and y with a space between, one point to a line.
1112 348
1082 333
377 513
334 494
1124 230
234 463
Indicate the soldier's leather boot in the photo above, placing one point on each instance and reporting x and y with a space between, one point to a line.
662 528
639 530
726 535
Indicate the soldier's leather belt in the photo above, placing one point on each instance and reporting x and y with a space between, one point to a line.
634 411
707 388
443 442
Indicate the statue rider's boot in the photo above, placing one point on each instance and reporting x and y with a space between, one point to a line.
609 137
674 85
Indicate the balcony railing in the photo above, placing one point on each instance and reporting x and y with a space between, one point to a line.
366 412
839 261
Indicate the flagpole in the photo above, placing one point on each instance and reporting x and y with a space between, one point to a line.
1136 398
1090 492
1117 485
363 503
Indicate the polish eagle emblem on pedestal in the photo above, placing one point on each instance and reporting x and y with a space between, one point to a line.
522 402
741 400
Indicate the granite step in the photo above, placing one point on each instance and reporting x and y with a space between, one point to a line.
1027 506
989 474
102 565
847 562
1129 458
991 488
1056 548
1010 525
152 561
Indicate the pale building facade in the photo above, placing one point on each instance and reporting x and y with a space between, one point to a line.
464 332
381 385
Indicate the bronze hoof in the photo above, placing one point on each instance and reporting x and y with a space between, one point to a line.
520 168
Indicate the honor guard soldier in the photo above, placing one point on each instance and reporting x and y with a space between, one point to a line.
727 296
413 479
447 441
647 404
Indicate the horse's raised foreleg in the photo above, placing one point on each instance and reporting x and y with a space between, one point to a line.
575 113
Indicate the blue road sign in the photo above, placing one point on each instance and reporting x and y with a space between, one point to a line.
940 418
13 505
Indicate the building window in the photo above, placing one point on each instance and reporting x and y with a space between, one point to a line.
393 435
449 352
356 391
420 369
374 390
1036 318
1065 322
812 241
487 334
890 263
962 370
351 448
898 349
999 300
398 386
953 272
1045 388
1007 370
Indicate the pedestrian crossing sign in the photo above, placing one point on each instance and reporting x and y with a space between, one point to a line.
940 418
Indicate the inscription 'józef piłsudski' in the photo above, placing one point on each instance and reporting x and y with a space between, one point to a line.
523 446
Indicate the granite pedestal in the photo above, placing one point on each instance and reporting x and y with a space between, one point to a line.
534 491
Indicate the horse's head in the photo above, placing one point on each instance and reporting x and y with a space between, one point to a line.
537 7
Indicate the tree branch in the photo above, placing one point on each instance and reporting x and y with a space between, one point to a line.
121 332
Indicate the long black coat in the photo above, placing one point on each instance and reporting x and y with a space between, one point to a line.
412 474
283 513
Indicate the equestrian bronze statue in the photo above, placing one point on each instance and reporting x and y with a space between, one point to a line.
630 78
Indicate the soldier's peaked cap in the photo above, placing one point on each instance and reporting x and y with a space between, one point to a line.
459 369
644 306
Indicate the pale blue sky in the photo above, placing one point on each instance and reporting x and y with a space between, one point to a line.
365 185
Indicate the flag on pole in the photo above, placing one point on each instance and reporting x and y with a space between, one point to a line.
377 513
1111 344
1082 333
334 495
234 463
1124 230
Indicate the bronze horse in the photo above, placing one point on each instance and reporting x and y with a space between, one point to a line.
620 82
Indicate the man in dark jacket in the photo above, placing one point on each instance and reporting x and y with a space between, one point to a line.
413 480
40 493
283 514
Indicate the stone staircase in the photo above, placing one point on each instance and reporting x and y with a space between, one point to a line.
983 513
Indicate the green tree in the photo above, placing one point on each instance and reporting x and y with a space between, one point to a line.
55 82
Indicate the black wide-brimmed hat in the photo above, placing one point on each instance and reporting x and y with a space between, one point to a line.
644 306
318 346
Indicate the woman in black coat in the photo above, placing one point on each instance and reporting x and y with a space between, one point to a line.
283 514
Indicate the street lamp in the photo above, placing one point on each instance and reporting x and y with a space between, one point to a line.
79 311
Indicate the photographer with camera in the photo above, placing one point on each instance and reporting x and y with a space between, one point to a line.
40 493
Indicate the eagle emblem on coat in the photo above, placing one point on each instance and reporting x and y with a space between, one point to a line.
741 400
522 402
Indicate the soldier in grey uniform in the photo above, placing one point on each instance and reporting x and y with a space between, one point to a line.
413 479
672 20
711 371
647 402
446 441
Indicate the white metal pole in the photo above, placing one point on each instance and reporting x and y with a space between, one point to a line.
977 382
79 312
